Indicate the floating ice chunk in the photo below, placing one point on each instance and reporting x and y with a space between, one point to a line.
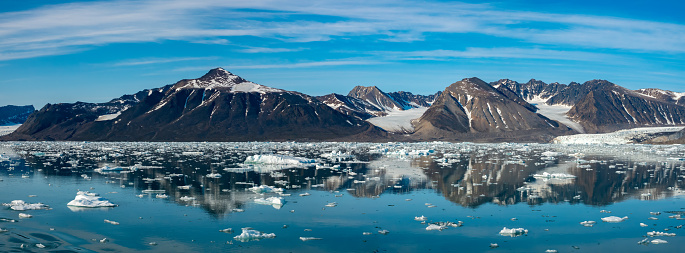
658 241
588 223
304 239
112 222
420 218
161 196
87 199
643 225
265 189
20 205
278 160
187 198
551 251
657 233
227 230
276 202
305 194
213 175
654 213
614 219
513 232
2 230
435 227
25 215
494 245
548 175
383 232
249 234
332 204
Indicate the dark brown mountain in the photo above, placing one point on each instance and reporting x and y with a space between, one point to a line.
609 107
219 106
368 102
533 90
665 95
12 114
474 107
414 100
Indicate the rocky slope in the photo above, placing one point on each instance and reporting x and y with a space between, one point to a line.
219 106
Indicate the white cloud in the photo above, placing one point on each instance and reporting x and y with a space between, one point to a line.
65 28
269 50
504 53
288 65
148 61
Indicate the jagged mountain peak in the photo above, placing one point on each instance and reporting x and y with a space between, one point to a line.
219 78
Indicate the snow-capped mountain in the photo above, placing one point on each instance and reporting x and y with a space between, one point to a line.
352 106
12 114
218 106
378 98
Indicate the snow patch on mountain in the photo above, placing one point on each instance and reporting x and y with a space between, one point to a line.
557 112
625 136
8 129
398 121
107 117
222 79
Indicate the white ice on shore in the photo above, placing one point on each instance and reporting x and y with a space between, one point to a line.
614 219
250 234
625 136
5 130
513 232
88 199
20 205
277 160
398 121
558 113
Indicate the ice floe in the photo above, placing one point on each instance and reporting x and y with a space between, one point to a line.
278 160
513 232
20 205
658 233
614 219
250 234
276 202
547 175
88 199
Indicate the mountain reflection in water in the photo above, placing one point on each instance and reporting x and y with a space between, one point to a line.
466 174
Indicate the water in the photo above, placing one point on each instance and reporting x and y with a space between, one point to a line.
375 187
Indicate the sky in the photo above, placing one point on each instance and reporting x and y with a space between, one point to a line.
54 51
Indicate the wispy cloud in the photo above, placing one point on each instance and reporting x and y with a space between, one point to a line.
503 53
289 65
65 28
149 61
270 50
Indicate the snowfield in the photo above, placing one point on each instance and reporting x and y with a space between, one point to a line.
5 130
398 121
558 113
619 137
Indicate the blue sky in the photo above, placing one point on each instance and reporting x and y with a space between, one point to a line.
65 51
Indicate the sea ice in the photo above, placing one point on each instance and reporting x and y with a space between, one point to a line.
20 205
304 239
658 241
276 202
614 219
187 198
25 215
249 234
436 227
420 218
513 232
588 223
87 199
278 160
265 189
554 175
657 233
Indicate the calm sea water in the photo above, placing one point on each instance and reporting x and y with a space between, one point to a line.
355 191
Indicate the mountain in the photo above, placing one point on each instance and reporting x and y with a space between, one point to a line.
473 107
378 98
533 90
414 100
218 106
608 107
12 114
665 95
352 106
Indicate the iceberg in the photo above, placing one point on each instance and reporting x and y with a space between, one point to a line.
304 239
554 175
588 223
250 234
658 241
513 232
436 227
265 189
276 202
420 218
88 199
20 205
278 160
614 219
657 233
25 215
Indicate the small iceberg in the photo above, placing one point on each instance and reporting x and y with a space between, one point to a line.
513 232
187 198
658 241
420 218
250 234
88 199
20 205
546 175
614 219
213 175
304 239
657 233
25 215
278 160
276 202
588 223
435 227
265 189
